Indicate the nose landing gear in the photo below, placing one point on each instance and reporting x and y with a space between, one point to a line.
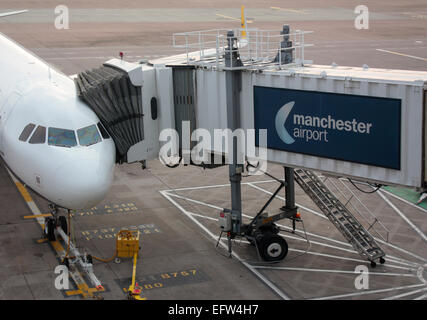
51 223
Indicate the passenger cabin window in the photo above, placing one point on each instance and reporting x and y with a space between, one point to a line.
103 131
62 137
26 132
39 136
88 135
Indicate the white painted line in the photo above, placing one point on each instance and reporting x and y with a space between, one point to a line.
289 10
404 200
424 296
299 205
77 58
401 250
389 257
400 213
195 201
368 292
402 54
217 186
347 244
317 253
6 14
410 293
348 259
335 271
214 237
202 216
250 217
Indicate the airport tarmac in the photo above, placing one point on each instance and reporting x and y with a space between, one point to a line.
176 209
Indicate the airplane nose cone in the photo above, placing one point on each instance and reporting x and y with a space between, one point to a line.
83 184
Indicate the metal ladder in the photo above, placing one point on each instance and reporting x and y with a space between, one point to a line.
361 240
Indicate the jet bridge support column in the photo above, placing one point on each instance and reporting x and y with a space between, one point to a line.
234 86
290 192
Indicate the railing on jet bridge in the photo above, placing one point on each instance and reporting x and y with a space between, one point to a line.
353 203
258 49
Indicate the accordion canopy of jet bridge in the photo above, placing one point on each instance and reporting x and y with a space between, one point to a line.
133 102
117 102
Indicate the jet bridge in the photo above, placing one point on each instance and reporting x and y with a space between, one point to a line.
361 123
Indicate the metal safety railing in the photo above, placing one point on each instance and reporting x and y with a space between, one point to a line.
353 203
256 49
361 240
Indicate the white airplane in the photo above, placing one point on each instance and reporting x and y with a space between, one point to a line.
51 140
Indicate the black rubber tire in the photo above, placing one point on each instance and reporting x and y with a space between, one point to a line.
50 229
373 264
273 247
89 259
63 224
382 260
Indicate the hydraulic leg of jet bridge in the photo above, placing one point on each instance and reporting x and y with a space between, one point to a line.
261 231
233 85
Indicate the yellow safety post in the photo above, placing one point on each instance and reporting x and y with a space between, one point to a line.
127 247
133 291
243 22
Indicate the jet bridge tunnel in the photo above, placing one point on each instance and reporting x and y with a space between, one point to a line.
366 124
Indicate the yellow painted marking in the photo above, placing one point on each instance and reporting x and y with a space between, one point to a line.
84 290
290 10
35 216
23 192
402 54
77 292
57 246
42 240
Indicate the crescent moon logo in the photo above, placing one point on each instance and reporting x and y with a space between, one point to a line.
281 117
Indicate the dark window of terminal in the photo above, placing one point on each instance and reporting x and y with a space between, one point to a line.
39 136
27 131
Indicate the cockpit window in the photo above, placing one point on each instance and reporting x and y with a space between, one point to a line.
88 135
62 137
39 136
104 132
27 131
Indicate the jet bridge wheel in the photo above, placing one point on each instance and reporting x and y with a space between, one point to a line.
272 247
49 228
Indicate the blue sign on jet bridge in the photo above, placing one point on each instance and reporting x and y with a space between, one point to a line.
345 127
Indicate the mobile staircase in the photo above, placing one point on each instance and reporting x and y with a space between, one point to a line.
339 214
